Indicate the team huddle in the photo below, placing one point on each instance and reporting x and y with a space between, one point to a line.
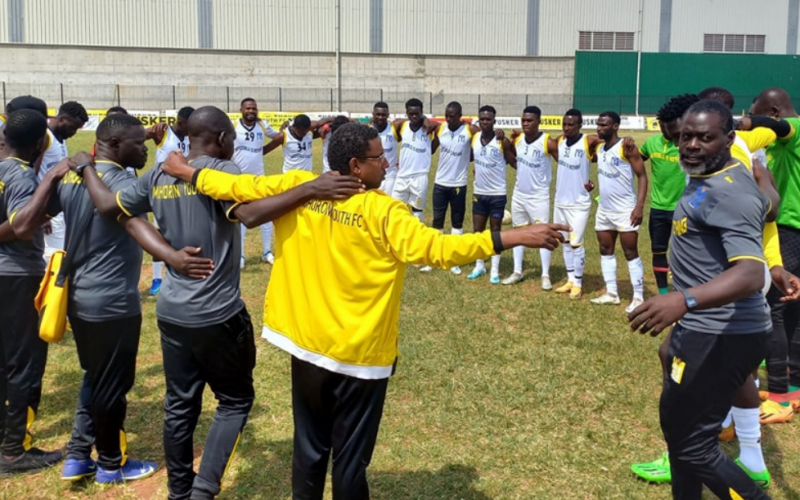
723 225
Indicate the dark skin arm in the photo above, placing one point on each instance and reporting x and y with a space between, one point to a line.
183 261
766 183
274 143
317 125
156 132
6 233
535 236
104 200
637 164
742 279
329 186
786 282
509 153
552 147
31 217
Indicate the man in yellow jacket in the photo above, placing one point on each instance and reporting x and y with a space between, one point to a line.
333 300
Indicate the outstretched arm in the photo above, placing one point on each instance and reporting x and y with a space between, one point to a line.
781 127
742 279
247 188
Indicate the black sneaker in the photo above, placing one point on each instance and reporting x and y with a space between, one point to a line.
33 460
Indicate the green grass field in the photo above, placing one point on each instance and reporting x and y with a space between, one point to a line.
500 393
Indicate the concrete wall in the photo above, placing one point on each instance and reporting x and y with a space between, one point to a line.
90 74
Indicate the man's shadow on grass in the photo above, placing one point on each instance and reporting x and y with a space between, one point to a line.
774 457
269 475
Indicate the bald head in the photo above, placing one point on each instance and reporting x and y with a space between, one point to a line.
208 120
774 102
211 132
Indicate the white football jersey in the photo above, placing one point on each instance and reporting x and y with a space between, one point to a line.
55 152
615 179
389 139
534 167
490 167
454 145
248 148
415 151
169 143
297 152
573 172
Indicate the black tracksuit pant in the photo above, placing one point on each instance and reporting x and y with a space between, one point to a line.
107 352
222 356
785 348
702 374
23 356
338 414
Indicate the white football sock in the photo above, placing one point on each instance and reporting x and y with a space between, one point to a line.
480 264
579 260
569 258
495 265
608 264
244 233
728 419
748 431
636 270
266 236
456 231
519 253
758 382
545 255
419 215
157 267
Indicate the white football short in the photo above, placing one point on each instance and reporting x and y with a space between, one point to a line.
575 217
527 210
412 190
606 220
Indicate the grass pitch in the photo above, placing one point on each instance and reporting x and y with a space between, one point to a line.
501 392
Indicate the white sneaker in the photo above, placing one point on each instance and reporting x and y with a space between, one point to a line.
634 304
425 269
455 270
546 284
606 299
268 257
242 262
513 279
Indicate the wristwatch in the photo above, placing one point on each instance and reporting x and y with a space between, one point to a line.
79 168
691 302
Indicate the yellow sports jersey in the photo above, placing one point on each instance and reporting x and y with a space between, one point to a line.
745 143
749 141
334 294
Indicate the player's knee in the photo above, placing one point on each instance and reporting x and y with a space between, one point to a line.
606 249
631 253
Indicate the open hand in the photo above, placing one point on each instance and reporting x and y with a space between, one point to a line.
185 262
335 186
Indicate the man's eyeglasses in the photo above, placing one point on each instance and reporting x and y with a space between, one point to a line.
380 158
